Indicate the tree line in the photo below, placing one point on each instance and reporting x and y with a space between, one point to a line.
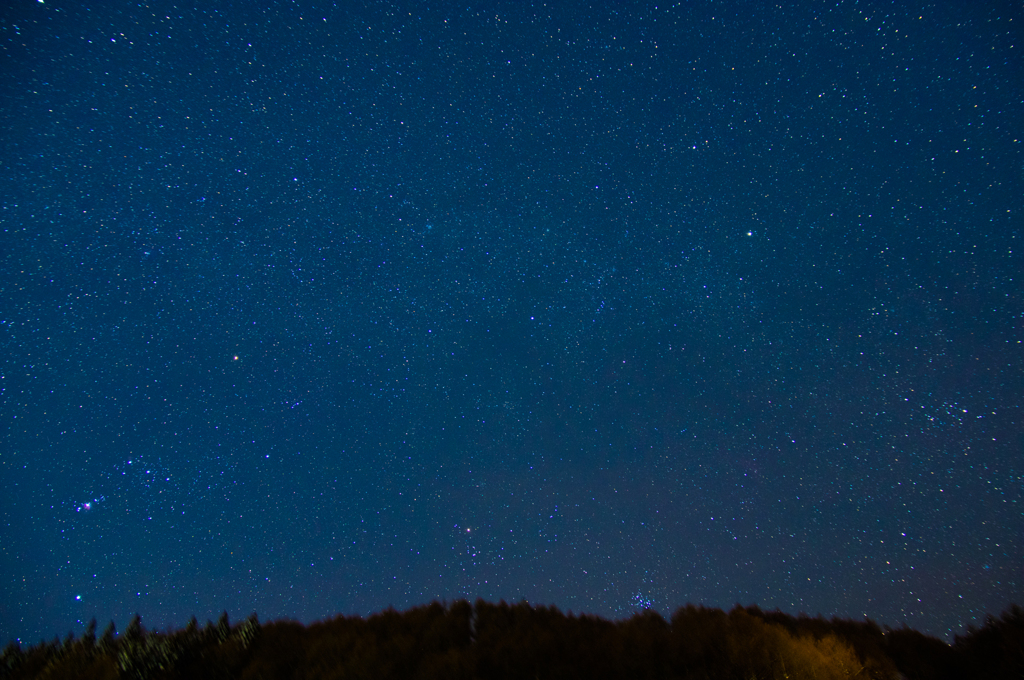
485 640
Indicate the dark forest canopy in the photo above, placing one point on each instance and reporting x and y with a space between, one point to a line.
460 640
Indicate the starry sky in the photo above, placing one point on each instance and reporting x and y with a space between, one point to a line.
319 308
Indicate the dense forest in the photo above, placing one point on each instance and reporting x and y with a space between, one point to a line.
461 640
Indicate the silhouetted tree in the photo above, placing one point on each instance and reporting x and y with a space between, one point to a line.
108 641
996 650
921 657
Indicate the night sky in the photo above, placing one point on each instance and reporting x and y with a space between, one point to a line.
317 309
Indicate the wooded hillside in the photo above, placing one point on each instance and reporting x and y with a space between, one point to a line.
460 640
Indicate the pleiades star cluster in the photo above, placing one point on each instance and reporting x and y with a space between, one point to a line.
312 308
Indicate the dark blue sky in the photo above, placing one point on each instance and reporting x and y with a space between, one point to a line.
319 309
